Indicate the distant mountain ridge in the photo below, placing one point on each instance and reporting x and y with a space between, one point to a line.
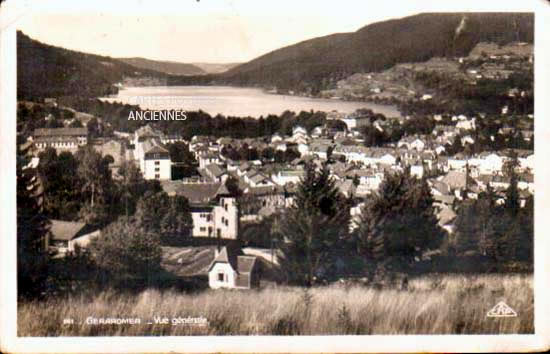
167 67
314 64
306 67
48 71
215 68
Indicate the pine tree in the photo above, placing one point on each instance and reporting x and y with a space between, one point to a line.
467 229
313 227
512 193
94 172
398 223
32 227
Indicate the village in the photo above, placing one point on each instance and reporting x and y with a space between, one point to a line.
348 173
267 186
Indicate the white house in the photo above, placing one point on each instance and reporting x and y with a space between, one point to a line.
417 170
156 162
208 158
457 162
276 138
411 142
466 124
214 211
152 156
287 176
299 135
281 147
234 270
303 149
467 140
491 163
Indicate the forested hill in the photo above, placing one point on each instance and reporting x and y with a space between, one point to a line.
168 67
309 66
313 64
48 71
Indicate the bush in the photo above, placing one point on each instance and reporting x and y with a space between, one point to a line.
126 251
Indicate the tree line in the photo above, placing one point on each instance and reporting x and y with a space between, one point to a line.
116 114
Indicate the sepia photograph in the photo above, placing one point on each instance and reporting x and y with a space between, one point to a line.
235 169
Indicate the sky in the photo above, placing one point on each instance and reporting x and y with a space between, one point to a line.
213 31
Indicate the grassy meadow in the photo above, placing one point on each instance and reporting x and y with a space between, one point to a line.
435 304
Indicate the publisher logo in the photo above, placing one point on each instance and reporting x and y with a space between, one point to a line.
501 310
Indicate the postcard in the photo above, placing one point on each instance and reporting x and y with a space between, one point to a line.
275 176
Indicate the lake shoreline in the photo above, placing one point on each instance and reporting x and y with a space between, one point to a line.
236 101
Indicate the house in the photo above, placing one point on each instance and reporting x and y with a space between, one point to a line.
457 162
208 158
276 138
439 188
411 142
63 236
383 156
466 124
60 138
417 170
281 147
440 149
447 131
232 269
303 149
152 156
299 135
141 135
355 122
446 219
457 182
317 132
171 138
426 97
213 209
467 140
155 162
214 173
288 176
257 179
489 162
49 101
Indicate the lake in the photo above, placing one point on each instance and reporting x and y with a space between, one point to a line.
235 101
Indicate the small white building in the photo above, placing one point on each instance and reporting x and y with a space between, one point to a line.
276 138
287 176
234 270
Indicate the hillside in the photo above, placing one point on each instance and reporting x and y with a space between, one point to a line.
215 68
167 67
307 67
48 71
316 64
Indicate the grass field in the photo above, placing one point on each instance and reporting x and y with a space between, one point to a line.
449 304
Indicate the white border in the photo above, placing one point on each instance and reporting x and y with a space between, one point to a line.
379 343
